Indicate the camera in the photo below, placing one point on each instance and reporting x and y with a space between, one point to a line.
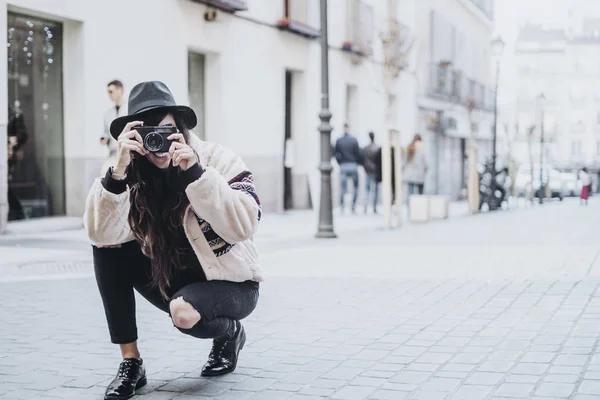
155 137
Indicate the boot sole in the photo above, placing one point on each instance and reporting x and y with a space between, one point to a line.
140 384
209 374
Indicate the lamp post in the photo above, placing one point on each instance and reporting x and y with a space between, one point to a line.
325 229
498 49
541 191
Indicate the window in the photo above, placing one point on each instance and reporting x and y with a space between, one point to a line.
196 89
576 148
442 37
296 10
598 117
598 149
360 27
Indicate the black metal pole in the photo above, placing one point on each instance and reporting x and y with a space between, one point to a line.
492 204
325 229
541 191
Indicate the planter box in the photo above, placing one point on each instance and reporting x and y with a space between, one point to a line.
438 207
418 208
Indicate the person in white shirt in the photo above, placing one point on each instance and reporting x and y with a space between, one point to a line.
115 93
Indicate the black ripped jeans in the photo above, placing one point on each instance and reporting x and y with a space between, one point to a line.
120 270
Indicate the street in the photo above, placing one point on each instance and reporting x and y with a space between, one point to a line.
501 305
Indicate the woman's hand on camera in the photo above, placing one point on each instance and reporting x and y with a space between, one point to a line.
128 142
182 155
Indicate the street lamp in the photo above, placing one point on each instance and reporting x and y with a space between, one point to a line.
497 49
325 229
541 191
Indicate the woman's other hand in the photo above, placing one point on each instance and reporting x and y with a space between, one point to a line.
182 155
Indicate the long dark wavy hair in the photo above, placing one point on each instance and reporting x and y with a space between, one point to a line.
157 210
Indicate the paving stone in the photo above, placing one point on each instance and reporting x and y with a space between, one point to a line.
353 393
472 392
495 366
343 373
514 378
515 390
530 368
571 360
253 384
317 391
589 387
440 384
562 378
559 390
388 395
538 357
300 377
270 395
425 395
485 378
410 377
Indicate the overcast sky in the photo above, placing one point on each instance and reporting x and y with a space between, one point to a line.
511 13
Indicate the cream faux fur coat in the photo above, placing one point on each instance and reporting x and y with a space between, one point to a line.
220 222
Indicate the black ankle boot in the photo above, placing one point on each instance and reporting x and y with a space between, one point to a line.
131 376
224 354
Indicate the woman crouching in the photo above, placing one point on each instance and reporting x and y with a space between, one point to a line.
174 219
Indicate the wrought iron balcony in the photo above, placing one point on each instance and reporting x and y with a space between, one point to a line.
229 6
440 81
452 85
295 18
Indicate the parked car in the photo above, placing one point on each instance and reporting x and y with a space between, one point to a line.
557 185
571 183
551 177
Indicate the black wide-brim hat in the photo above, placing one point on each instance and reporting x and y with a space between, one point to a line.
151 96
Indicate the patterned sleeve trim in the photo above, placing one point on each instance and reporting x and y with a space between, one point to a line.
244 182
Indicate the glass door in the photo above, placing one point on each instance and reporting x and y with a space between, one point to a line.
36 181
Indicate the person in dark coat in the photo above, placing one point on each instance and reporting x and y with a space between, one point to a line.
370 164
349 157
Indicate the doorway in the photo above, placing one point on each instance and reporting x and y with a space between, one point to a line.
197 89
288 192
36 176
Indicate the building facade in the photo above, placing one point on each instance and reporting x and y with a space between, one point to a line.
560 63
541 94
252 72
454 67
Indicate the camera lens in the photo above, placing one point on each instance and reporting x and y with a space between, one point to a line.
153 142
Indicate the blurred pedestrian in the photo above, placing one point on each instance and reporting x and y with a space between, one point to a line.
415 166
17 138
115 93
586 185
371 155
348 155
173 219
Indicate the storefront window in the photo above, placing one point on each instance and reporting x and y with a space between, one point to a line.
36 181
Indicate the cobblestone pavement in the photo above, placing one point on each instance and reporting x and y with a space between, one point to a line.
498 306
